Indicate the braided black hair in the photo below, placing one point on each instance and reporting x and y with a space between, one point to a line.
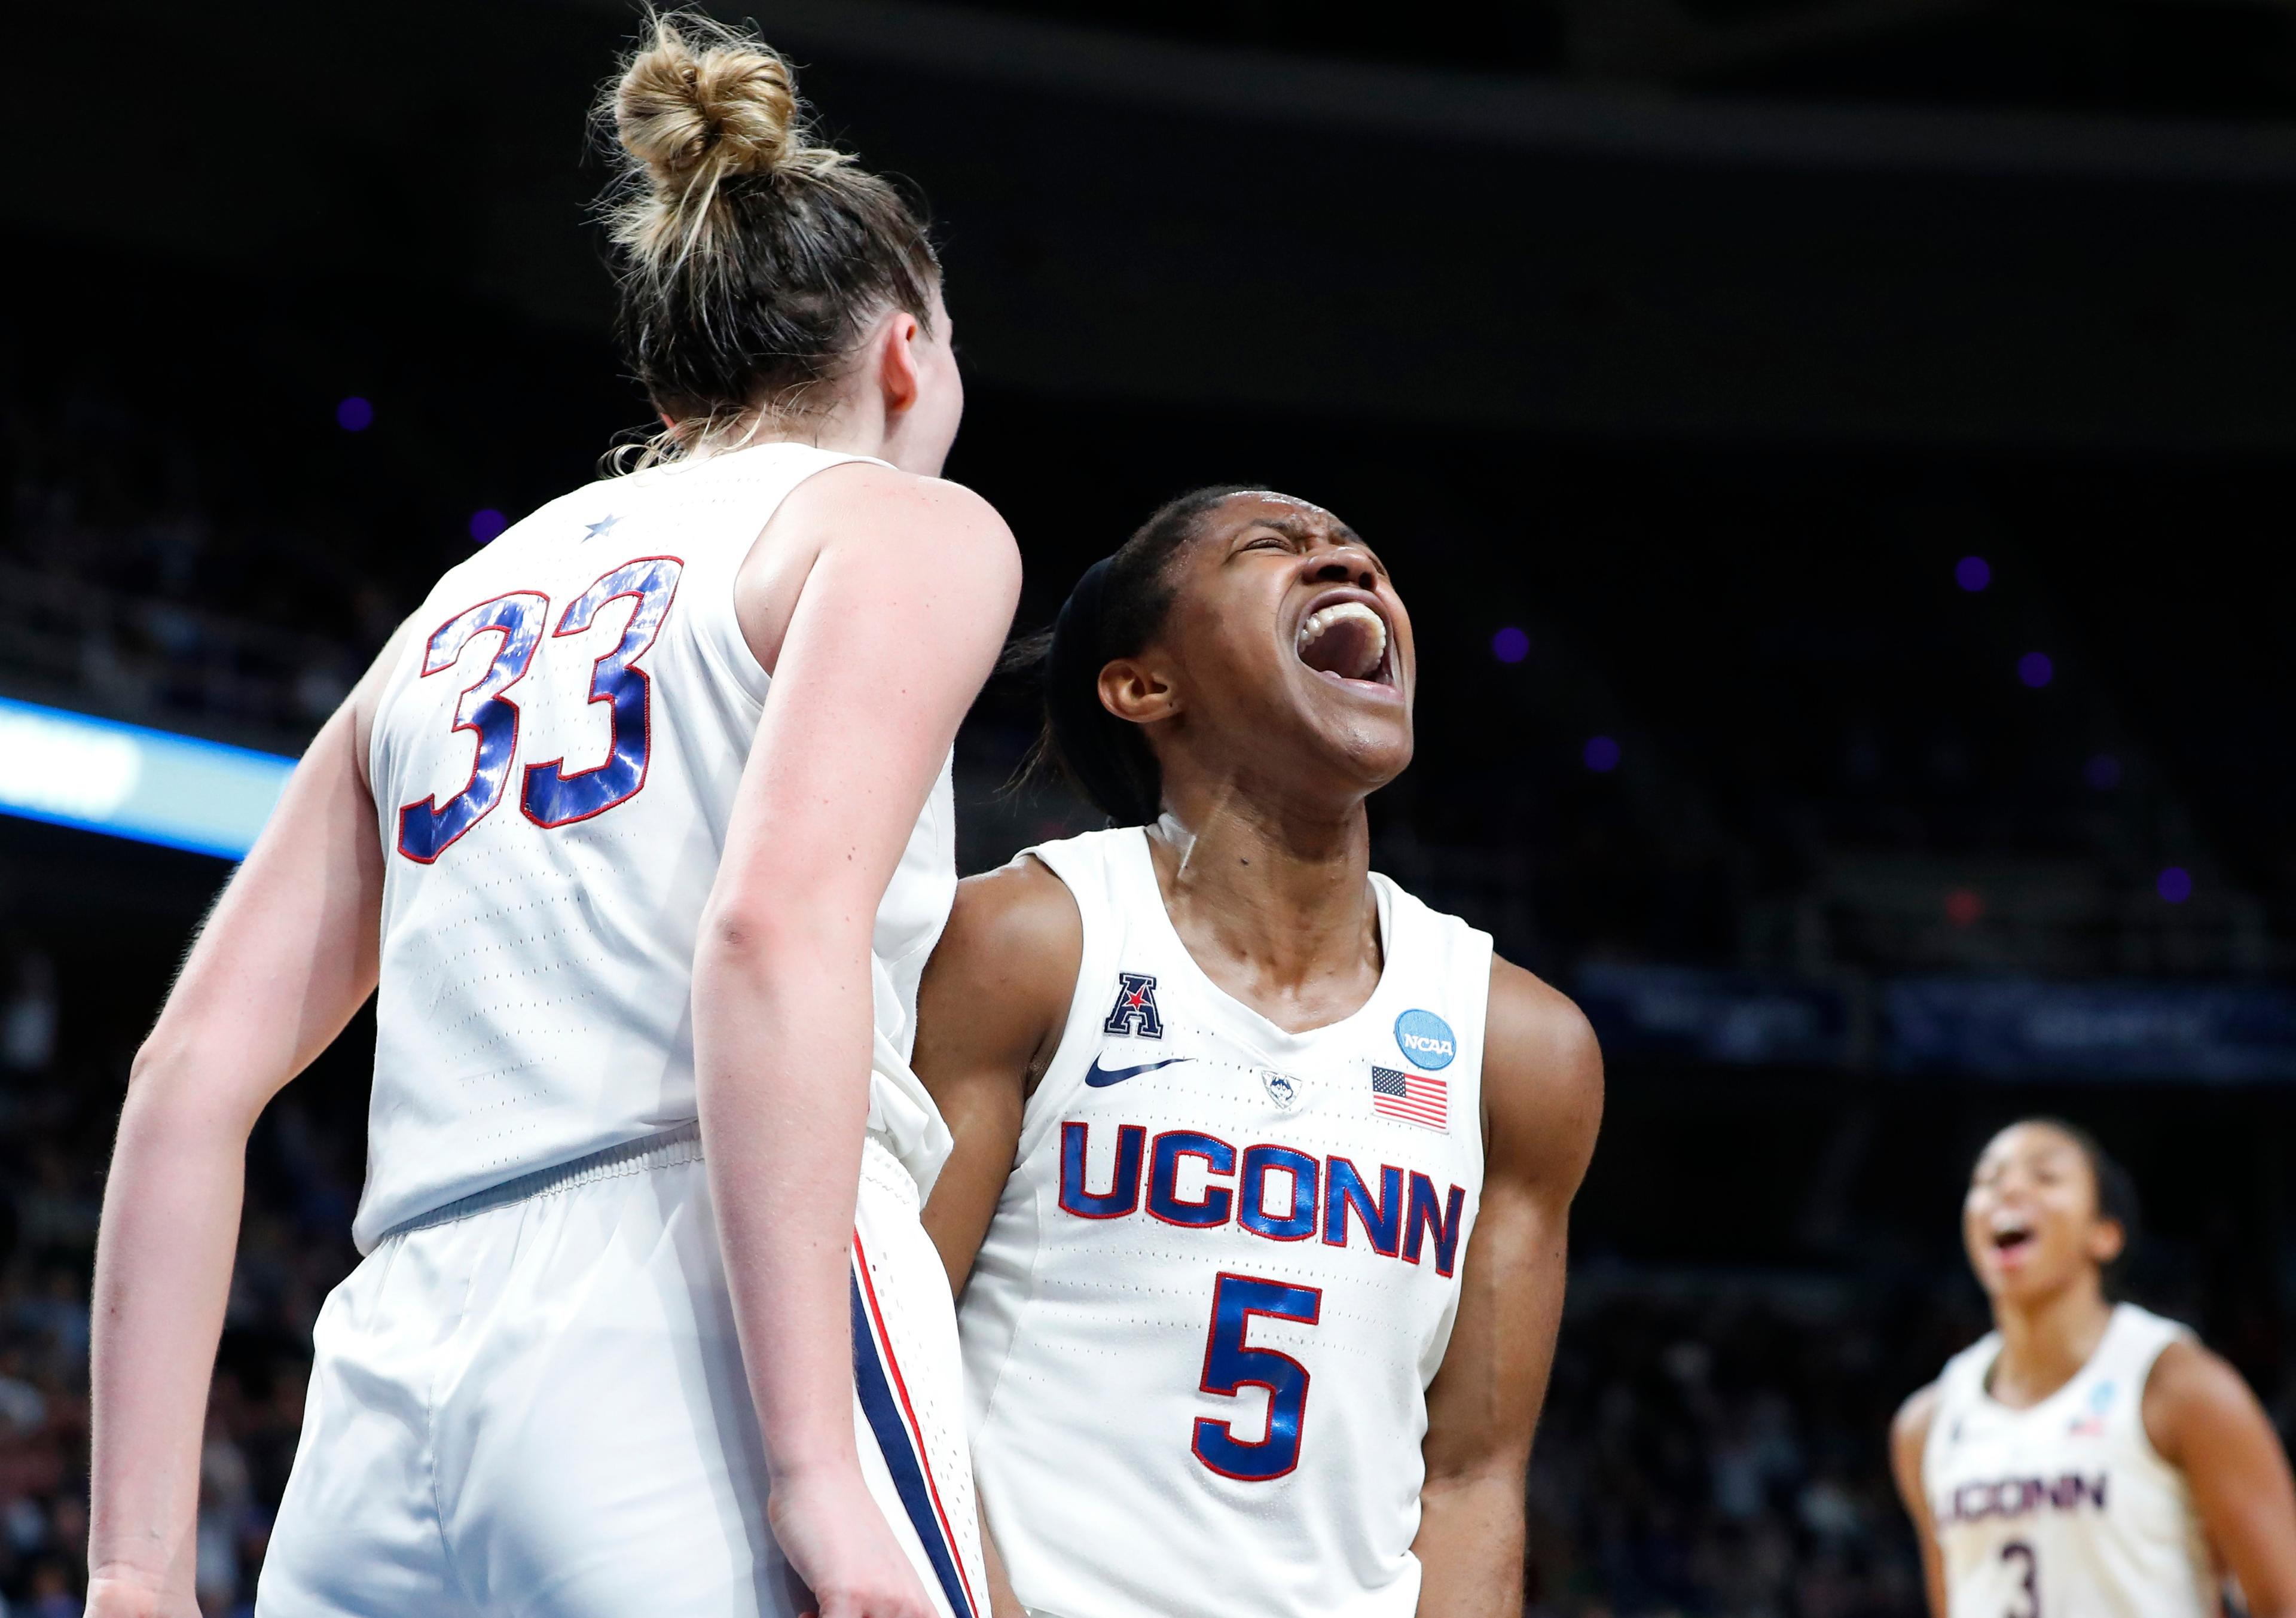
1115 610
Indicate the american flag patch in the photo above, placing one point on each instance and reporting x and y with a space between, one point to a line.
1414 1097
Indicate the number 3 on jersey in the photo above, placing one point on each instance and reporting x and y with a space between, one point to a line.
548 795
1231 1365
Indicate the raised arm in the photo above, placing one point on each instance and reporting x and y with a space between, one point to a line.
285 958
989 1014
1543 1103
1910 1435
896 623
2203 1420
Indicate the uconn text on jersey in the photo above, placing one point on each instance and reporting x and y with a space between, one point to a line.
1274 1191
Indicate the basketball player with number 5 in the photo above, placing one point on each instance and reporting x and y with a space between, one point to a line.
1263 1167
2084 1459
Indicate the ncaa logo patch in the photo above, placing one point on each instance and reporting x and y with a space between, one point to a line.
1282 1088
1135 1012
1425 1039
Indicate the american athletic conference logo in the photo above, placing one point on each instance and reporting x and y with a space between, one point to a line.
1425 1041
1135 1012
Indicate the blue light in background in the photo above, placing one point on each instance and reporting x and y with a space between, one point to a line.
2175 884
150 785
486 523
355 415
2035 669
1601 754
1511 644
1971 573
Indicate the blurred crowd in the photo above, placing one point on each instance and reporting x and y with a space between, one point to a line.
131 577
58 1103
1722 1455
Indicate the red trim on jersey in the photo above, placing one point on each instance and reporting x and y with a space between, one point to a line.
909 1412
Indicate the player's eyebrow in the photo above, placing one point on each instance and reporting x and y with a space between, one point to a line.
1300 531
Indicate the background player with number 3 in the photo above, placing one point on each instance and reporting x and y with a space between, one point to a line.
2084 1459
645 939
1266 1166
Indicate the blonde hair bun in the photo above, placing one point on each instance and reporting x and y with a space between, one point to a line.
751 260
701 104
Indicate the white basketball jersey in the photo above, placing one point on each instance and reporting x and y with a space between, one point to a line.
553 768
2064 1507
1199 1336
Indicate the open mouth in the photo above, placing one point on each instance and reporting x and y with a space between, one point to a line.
1346 640
2012 1238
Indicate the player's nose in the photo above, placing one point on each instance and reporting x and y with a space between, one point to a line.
1344 562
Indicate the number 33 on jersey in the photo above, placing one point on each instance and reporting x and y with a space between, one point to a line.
563 728
511 625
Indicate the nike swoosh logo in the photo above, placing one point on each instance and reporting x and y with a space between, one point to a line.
1101 1078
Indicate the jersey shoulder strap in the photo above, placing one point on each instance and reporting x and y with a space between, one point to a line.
1102 871
711 513
1962 1381
1959 1387
1437 978
2132 1345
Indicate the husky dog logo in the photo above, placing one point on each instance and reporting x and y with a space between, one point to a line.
1135 1012
1282 1088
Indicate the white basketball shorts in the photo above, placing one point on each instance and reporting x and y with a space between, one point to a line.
532 1402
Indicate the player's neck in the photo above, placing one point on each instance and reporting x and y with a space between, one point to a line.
1280 896
2045 1341
846 427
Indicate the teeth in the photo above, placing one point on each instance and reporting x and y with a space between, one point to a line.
1341 612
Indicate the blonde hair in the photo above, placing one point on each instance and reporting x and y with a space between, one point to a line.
751 261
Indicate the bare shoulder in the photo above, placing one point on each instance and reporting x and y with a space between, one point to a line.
931 554
1909 1438
876 505
1021 913
1909 1428
2193 1392
1004 970
1542 1066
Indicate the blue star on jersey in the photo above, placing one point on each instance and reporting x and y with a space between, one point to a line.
1135 1012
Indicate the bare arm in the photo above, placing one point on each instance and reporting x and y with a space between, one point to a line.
989 1013
897 625
2204 1421
288 954
1910 1435
1543 1101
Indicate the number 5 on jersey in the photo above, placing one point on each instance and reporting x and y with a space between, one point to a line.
1231 1365
549 796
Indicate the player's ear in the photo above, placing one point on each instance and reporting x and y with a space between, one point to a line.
1134 689
2106 1239
899 380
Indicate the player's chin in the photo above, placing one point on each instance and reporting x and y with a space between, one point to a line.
1367 754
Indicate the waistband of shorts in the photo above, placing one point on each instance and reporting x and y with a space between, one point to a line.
882 1167
667 1149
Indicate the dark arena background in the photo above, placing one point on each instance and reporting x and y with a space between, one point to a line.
1840 456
